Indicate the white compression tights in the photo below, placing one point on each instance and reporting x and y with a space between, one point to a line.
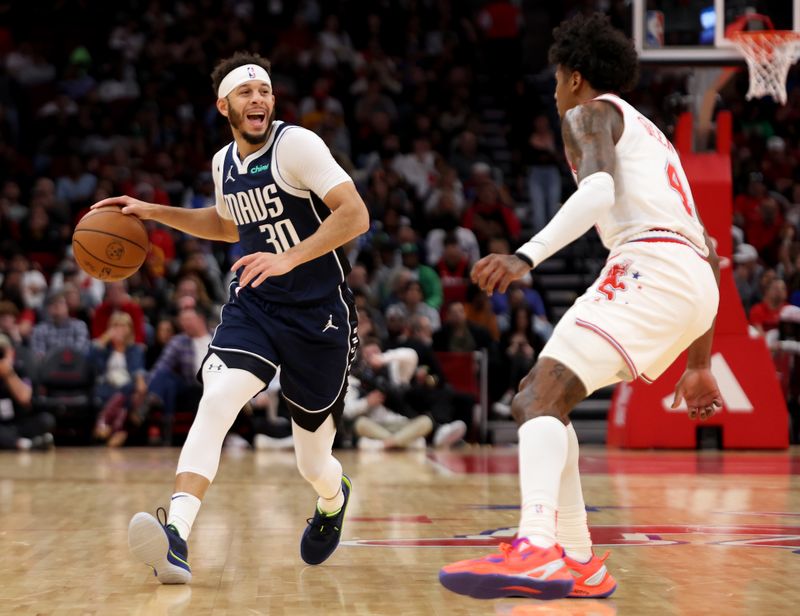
225 392
317 464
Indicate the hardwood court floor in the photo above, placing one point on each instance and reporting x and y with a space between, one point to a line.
689 533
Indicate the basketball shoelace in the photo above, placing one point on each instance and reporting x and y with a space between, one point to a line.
318 523
161 511
506 550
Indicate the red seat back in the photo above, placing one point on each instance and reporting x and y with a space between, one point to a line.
461 371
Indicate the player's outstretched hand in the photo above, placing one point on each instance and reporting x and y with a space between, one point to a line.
699 388
496 272
261 265
129 205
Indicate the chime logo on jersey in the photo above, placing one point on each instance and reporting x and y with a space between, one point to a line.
259 169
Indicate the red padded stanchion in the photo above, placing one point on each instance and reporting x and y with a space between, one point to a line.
754 413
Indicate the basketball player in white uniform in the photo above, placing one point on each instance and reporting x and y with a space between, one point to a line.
656 296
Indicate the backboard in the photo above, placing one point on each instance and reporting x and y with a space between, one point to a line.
693 31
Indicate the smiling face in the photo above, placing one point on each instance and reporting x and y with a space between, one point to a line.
249 109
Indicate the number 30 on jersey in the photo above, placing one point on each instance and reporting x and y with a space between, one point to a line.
281 235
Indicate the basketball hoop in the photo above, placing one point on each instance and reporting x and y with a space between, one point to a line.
769 54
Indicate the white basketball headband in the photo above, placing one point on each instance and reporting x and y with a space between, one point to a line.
240 75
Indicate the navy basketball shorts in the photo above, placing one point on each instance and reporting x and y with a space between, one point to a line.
313 344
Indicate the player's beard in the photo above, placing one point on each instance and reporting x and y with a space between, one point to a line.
236 120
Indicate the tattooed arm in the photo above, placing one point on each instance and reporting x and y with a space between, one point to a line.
590 132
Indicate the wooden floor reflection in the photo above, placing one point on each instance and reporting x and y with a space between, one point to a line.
688 533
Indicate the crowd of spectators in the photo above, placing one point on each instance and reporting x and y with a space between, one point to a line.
123 105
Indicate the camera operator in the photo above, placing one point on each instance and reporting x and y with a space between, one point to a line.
19 427
376 403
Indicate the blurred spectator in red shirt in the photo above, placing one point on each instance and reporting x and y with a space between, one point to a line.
765 315
489 217
117 299
763 227
749 201
454 269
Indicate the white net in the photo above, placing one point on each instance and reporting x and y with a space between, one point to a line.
769 55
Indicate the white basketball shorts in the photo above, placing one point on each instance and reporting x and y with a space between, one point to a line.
650 302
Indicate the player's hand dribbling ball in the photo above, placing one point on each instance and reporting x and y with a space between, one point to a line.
109 245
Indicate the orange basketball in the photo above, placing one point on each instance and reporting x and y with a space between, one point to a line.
110 245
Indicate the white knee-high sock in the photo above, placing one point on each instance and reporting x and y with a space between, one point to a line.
317 464
542 455
572 531
183 509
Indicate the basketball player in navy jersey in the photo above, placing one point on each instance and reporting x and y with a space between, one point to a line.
281 194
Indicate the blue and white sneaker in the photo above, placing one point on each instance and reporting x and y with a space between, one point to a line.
159 546
323 532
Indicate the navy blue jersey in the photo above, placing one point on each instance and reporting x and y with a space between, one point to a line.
272 216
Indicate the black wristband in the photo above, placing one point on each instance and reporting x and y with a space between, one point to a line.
525 258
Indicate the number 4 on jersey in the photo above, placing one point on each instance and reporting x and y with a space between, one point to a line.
675 182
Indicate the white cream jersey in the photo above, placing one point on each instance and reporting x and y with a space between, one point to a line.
653 198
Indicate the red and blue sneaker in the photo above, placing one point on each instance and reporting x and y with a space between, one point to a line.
592 579
519 570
